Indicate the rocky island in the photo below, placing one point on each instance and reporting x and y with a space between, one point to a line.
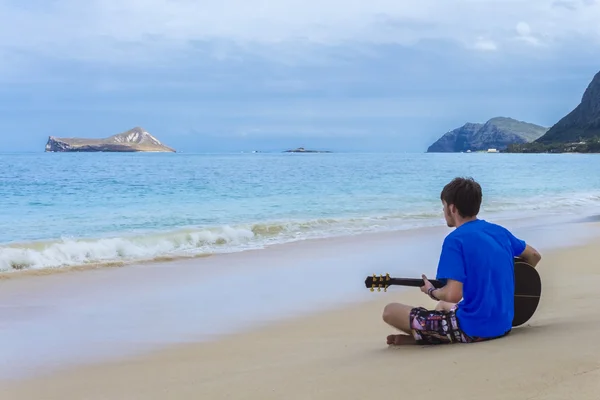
134 140
303 150
497 133
577 132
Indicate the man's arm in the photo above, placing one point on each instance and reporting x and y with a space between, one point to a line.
523 251
452 292
530 256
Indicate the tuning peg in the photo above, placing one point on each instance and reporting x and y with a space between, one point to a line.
387 277
371 289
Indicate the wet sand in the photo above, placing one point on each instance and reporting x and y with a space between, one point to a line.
319 333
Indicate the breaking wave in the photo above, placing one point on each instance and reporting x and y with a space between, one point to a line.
202 241
160 246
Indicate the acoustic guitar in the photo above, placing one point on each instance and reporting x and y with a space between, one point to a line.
528 288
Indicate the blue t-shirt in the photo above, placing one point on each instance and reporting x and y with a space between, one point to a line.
481 255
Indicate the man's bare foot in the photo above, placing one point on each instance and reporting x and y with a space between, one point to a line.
397 340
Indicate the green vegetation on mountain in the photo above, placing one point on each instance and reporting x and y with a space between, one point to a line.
577 132
497 133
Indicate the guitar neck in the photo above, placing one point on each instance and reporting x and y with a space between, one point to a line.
385 281
412 282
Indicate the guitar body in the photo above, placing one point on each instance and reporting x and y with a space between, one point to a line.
528 288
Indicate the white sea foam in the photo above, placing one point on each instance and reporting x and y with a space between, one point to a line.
194 242
188 242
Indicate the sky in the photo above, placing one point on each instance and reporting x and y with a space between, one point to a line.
243 75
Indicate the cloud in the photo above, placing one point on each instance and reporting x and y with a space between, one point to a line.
485 45
392 69
158 32
524 34
568 4
574 4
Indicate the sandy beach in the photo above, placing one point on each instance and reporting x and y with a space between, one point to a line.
194 194
341 354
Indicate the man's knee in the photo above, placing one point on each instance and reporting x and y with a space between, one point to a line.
394 311
388 312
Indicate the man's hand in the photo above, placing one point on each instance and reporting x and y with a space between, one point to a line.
425 288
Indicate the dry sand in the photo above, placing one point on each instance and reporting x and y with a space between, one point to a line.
342 355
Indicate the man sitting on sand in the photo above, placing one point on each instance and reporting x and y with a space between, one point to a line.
476 261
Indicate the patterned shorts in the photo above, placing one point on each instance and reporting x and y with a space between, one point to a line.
438 327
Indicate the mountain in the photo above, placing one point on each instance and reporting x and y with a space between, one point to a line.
456 140
577 132
134 140
581 123
497 133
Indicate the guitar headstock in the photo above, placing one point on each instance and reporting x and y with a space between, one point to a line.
378 282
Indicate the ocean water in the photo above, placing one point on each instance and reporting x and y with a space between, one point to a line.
74 209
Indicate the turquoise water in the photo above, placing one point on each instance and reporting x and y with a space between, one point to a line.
74 209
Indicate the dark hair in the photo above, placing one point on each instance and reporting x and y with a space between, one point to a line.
465 194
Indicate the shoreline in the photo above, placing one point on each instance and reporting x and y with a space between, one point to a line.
341 353
546 219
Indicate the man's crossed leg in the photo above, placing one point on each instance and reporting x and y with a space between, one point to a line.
422 326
